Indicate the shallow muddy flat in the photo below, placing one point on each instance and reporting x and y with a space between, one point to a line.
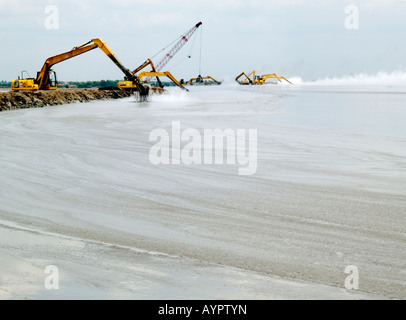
79 192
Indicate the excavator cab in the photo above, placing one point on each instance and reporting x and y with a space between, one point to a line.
51 83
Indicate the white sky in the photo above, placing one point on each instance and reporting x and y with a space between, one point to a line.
305 38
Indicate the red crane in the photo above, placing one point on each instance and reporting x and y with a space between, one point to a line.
182 41
179 44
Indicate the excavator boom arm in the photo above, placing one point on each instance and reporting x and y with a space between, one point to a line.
170 76
239 76
146 63
130 76
246 77
273 76
209 77
102 45
42 77
161 74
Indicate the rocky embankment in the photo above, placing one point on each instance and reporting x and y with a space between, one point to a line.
19 100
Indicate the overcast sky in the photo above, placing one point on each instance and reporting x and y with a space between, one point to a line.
311 39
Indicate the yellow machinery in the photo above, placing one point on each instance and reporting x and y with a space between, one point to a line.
129 85
156 71
201 81
263 78
158 74
28 84
258 79
46 77
247 79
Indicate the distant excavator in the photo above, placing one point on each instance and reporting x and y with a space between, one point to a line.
258 80
247 79
46 78
199 80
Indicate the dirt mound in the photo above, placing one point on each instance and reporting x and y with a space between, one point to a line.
19 100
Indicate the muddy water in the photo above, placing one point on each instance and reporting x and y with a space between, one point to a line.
78 190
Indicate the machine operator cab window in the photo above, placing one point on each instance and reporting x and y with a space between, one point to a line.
51 83
52 80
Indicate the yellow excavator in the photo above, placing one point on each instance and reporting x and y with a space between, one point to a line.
247 80
262 79
46 78
201 81
158 74
255 80
129 85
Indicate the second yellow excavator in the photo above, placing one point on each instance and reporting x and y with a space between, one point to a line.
199 80
46 78
129 85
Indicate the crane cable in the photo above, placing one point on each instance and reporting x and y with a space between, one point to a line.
177 39
192 46
201 44
189 55
191 49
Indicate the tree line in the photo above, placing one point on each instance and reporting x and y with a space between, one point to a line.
5 84
88 84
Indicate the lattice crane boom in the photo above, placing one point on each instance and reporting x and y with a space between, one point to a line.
175 49
182 41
